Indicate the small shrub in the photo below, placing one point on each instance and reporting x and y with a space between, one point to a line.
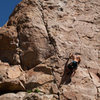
29 91
37 90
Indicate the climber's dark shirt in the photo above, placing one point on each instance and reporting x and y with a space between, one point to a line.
73 65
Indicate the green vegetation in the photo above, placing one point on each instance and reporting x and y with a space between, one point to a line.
37 90
29 91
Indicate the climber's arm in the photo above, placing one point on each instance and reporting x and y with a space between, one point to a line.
71 56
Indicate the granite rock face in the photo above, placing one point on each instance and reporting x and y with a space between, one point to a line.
39 35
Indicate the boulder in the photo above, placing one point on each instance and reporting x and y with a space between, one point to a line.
35 96
96 79
11 78
11 85
54 89
14 72
9 45
13 96
43 68
3 70
38 80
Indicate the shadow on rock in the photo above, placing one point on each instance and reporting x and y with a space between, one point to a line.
66 77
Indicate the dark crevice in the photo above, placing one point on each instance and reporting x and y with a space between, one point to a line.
50 38
55 82
5 60
86 21
5 92
98 74
31 86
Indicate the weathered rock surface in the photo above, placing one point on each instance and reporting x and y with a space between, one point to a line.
8 45
27 96
10 78
13 96
39 35
35 96
41 78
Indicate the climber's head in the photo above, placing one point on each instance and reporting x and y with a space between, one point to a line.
77 57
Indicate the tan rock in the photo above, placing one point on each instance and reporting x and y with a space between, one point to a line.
3 69
81 87
40 29
10 77
11 85
8 44
39 79
43 68
14 72
95 78
12 96
35 96
54 89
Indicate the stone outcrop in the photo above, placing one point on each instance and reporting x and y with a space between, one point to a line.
38 36
11 78
13 96
41 80
8 45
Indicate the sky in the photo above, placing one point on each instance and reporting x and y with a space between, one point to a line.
6 8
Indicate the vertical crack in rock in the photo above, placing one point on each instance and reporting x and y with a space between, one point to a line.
51 41
89 73
55 81
50 38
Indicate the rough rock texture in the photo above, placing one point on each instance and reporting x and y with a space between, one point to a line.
8 45
39 35
13 96
10 78
41 80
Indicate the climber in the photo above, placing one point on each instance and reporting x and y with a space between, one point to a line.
74 64
70 69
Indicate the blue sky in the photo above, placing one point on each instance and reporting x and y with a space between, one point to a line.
6 8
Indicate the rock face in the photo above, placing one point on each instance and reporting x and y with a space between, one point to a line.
37 38
10 78
8 45
12 96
